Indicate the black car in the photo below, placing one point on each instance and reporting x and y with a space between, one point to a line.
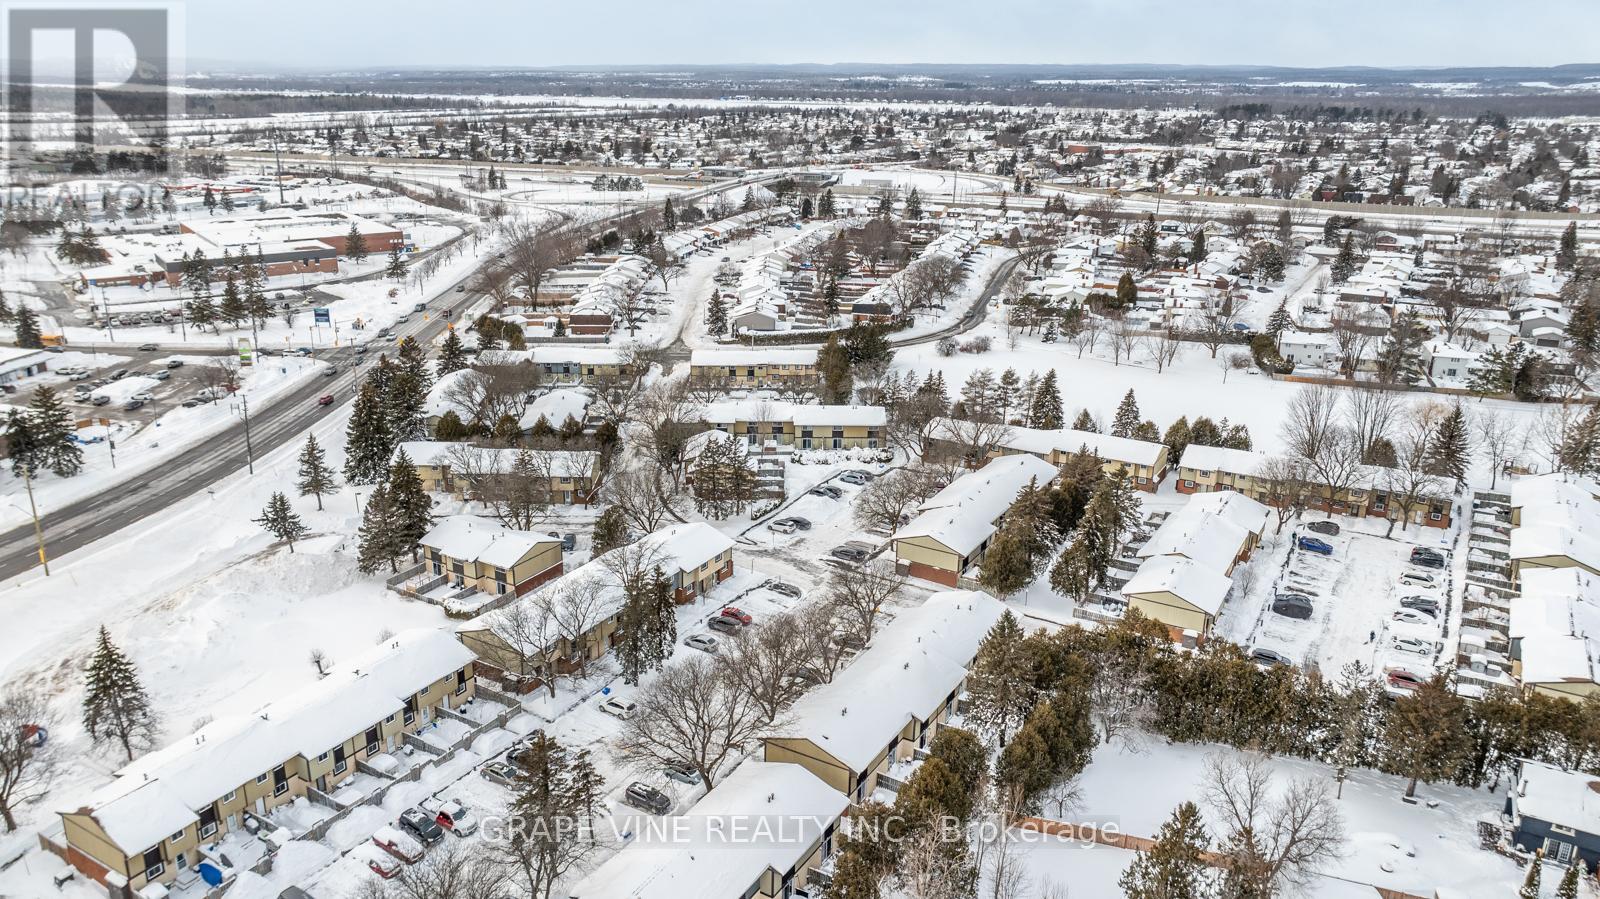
647 798
422 825
1292 605
1269 658
852 554
1427 558
828 490
119 374
1425 604
147 347
783 589
1328 528
725 624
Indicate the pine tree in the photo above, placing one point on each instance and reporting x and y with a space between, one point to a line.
410 505
1177 437
1399 358
355 245
1127 417
50 430
1006 566
396 269
368 442
1530 884
716 315
1279 321
1175 867
279 520
1085 422
1046 413
450 428
1127 291
202 312
1197 251
1426 735
1000 689
1344 265
452 355
7 314
1568 887
27 330
115 705
1006 393
610 531
542 429
833 363
1448 451
1567 252
233 309
379 545
316 478
20 444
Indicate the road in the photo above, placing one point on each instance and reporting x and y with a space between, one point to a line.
975 315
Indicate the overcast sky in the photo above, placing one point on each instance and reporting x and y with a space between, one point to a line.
360 33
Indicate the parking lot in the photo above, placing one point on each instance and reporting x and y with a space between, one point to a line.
1368 602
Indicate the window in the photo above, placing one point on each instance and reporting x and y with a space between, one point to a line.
339 764
323 757
280 781
389 720
461 681
261 778
153 865
208 823
183 863
230 796
177 837
411 709
1188 485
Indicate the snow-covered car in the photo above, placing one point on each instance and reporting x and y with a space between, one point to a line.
682 775
621 708
145 396
421 825
1418 579
399 844
783 589
702 642
1415 645
852 479
1424 604
782 526
1412 616
722 624
378 861
455 817
500 772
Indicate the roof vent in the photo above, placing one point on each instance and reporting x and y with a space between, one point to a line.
845 710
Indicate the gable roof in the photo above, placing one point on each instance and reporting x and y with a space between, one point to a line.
962 515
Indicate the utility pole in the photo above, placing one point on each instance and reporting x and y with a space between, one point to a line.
249 459
38 532
279 158
105 308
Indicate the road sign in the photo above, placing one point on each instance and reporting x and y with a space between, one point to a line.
321 315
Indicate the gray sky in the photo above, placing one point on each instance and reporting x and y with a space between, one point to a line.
359 33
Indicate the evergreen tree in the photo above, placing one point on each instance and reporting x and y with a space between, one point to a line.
542 429
233 309
316 478
1046 412
1127 417
716 315
1197 250
368 442
27 329
1530 884
49 432
1568 887
452 355
1006 566
355 245
833 363
1175 867
20 444
1085 422
1177 437
202 312
411 507
396 269
115 705
450 428
1425 736
7 314
1127 291
379 546
280 520
914 205
1344 265
1567 251
610 531
1400 357
1279 321
1448 450
1006 393
1000 691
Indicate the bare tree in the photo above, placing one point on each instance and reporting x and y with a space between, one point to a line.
27 762
972 441
1086 335
1354 332
532 251
1284 480
1372 414
1411 482
220 377
887 501
818 627
1124 339
637 491
574 607
457 870
527 630
859 594
1164 348
1314 431
691 715
1275 843
765 662
488 392
1502 438
666 266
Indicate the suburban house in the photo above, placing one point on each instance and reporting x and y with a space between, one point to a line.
1555 812
568 363
954 526
483 553
1556 521
755 368
1555 632
802 426
760 832
1143 461
446 467
572 619
890 700
1187 564
16 364
148 826
1306 350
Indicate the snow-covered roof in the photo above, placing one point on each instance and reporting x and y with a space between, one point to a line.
765 815
470 538
1545 792
1195 583
162 793
716 358
962 515
1043 442
555 463
1231 506
912 665
802 415
1222 458
1556 620
574 354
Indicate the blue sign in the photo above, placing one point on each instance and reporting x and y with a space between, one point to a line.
321 316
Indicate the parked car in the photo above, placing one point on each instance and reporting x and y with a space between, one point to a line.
119 374
161 374
852 478
325 400
1421 603
1268 657
622 708
1313 545
399 844
806 675
462 288
502 773
1412 616
379 862
827 490
682 775
419 307
782 526
144 396
783 589
736 613
421 825
147 347
1401 679
702 642
1293 605
862 473
1413 644
100 399
803 524
455 817
852 554
78 376
190 403
133 404
174 363
1327 528
724 625
1427 558
647 798
1418 579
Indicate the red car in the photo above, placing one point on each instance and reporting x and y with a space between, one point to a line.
325 400
379 862
1401 679
737 614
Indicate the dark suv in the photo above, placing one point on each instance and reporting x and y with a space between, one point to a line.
647 798
422 825
1427 558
